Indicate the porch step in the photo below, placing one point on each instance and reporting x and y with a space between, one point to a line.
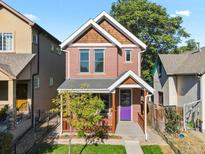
129 130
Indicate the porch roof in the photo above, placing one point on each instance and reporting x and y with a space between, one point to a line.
102 85
12 64
90 84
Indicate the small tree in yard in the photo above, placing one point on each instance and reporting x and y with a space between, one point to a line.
83 114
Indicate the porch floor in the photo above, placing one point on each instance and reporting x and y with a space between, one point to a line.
129 130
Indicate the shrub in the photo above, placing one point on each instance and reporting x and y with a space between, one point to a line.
3 112
172 123
5 143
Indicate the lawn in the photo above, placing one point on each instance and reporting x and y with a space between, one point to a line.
75 149
151 149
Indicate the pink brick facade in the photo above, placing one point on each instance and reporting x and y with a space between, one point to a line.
114 63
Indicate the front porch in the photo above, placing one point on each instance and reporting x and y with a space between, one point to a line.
125 99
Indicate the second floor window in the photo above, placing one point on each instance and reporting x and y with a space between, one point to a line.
127 56
99 60
6 42
84 60
35 38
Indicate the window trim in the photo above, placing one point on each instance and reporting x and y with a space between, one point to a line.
37 79
80 51
103 50
126 50
12 44
51 79
160 103
35 34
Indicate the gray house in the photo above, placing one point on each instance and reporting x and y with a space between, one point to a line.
179 79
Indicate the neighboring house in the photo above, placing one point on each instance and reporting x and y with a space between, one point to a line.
105 56
31 65
179 80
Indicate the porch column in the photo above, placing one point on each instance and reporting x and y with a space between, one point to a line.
202 95
12 103
145 112
113 112
61 114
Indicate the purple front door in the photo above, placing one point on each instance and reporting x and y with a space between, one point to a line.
125 105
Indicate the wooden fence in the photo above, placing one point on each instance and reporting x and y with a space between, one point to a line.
156 117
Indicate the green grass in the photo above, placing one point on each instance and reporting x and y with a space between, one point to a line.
75 149
151 149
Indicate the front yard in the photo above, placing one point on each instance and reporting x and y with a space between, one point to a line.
151 149
45 148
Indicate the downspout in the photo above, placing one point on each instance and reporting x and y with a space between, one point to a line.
145 118
33 76
139 61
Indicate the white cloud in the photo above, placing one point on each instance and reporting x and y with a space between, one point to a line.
183 13
32 17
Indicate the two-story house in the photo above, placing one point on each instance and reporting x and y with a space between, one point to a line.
106 56
31 65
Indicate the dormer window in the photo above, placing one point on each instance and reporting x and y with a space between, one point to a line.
127 56
6 41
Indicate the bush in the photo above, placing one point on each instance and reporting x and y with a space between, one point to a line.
172 123
5 143
3 112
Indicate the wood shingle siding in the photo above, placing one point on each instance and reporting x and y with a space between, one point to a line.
91 36
114 32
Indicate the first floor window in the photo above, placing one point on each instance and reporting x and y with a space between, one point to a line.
84 60
99 60
128 56
6 41
3 90
51 81
160 95
36 82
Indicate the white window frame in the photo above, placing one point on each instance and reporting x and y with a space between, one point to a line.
51 81
12 43
52 47
35 41
80 51
126 51
103 50
36 82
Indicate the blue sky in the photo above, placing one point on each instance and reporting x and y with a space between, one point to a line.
62 17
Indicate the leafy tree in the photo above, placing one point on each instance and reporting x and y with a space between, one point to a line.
190 46
153 25
83 112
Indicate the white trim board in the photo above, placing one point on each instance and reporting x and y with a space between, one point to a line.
85 27
120 27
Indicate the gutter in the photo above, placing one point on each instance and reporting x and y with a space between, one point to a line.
33 76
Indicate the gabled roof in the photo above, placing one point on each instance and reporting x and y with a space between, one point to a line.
120 27
186 63
102 85
103 32
13 64
134 76
84 28
28 21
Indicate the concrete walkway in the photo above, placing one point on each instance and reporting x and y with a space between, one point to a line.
130 132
